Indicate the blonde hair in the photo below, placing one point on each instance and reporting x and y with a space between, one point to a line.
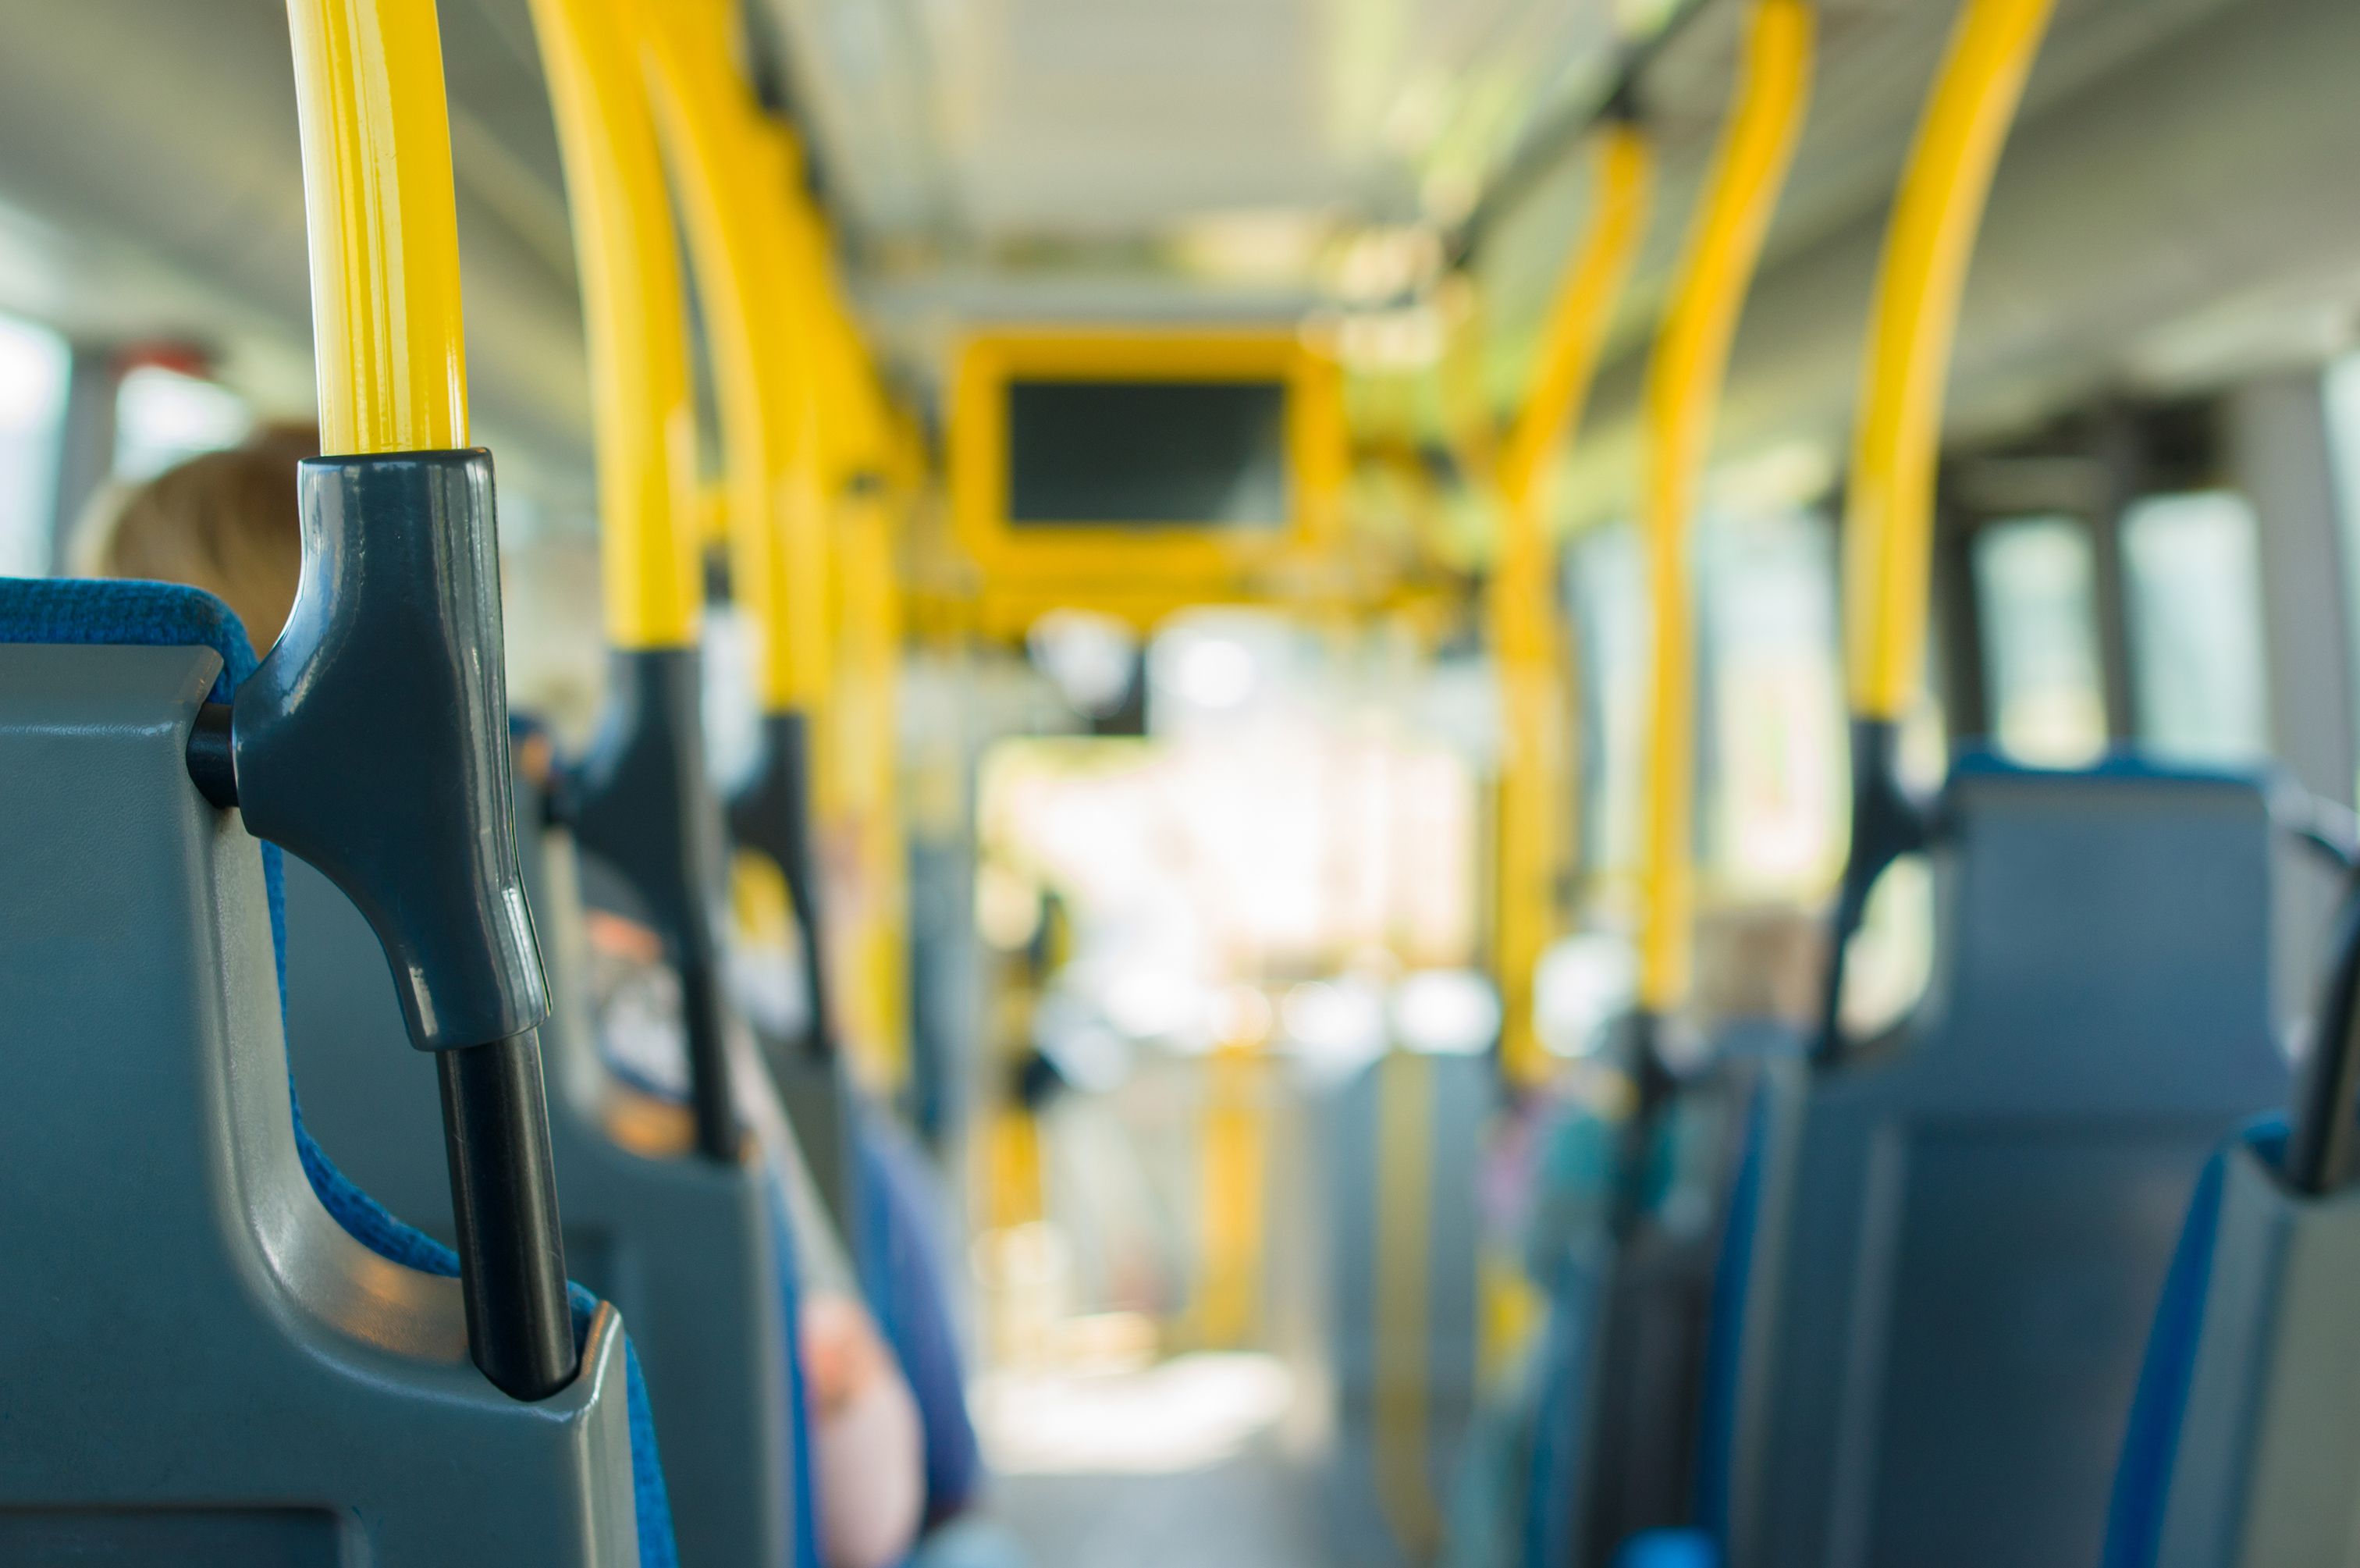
224 521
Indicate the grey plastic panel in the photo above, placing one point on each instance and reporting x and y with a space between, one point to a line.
1963 1236
2267 1469
681 1245
186 1336
1455 1096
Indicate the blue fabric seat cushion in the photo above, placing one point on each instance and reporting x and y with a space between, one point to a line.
91 612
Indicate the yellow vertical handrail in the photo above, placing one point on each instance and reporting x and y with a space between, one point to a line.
1401 1312
1888 522
869 757
1622 172
1684 386
1231 1185
735 183
805 660
635 316
383 225
1529 645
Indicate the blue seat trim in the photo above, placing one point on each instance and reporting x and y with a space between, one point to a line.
801 1484
1560 1403
2159 1406
899 1257
1984 762
84 612
1725 1331
1668 1549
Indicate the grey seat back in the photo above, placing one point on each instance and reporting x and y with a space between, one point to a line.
1962 1235
200 1365
1400 1144
2244 1449
684 1247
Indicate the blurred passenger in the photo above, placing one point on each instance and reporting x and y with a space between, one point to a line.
224 521
229 522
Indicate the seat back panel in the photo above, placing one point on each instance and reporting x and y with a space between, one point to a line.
2265 1467
1957 1262
681 1245
186 1328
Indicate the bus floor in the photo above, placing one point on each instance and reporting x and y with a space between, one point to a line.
1252 1510
1180 1464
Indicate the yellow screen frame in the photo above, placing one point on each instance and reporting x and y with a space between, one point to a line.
1123 567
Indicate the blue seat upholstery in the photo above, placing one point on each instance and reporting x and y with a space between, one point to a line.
83 612
1717 1421
1668 1549
801 1484
1945 1248
899 1255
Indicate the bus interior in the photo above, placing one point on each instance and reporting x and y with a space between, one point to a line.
1099 783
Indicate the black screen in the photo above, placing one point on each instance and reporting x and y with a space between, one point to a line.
1147 454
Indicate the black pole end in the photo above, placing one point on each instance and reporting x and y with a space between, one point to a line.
504 1211
212 759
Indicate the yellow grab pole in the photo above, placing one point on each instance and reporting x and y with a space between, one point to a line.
644 802
384 227
1403 1332
635 315
1888 525
734 190
1529 647
1231 1187
1684 384
1623 170
804 660
870 756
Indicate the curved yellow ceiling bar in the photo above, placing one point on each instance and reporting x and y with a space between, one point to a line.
735 196
1889 515
1684 386
635 316
1529 645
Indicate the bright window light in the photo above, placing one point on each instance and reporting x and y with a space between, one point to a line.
33 365
1213 672
1446 1012
163 417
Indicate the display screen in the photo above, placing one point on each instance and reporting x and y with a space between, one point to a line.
1137 453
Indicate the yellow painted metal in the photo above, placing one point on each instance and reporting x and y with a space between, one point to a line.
733 175
1529 647
1622 174
1014 1177
1404 1349
384 227
1683 383
1888 526
1080 562
1235 1174
863 807
636 320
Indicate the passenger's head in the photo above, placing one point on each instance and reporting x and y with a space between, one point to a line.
225 522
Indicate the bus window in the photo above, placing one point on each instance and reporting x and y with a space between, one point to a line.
1773 802
1610 603
2344 445
33 365
2194 580
162 416
2036 585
